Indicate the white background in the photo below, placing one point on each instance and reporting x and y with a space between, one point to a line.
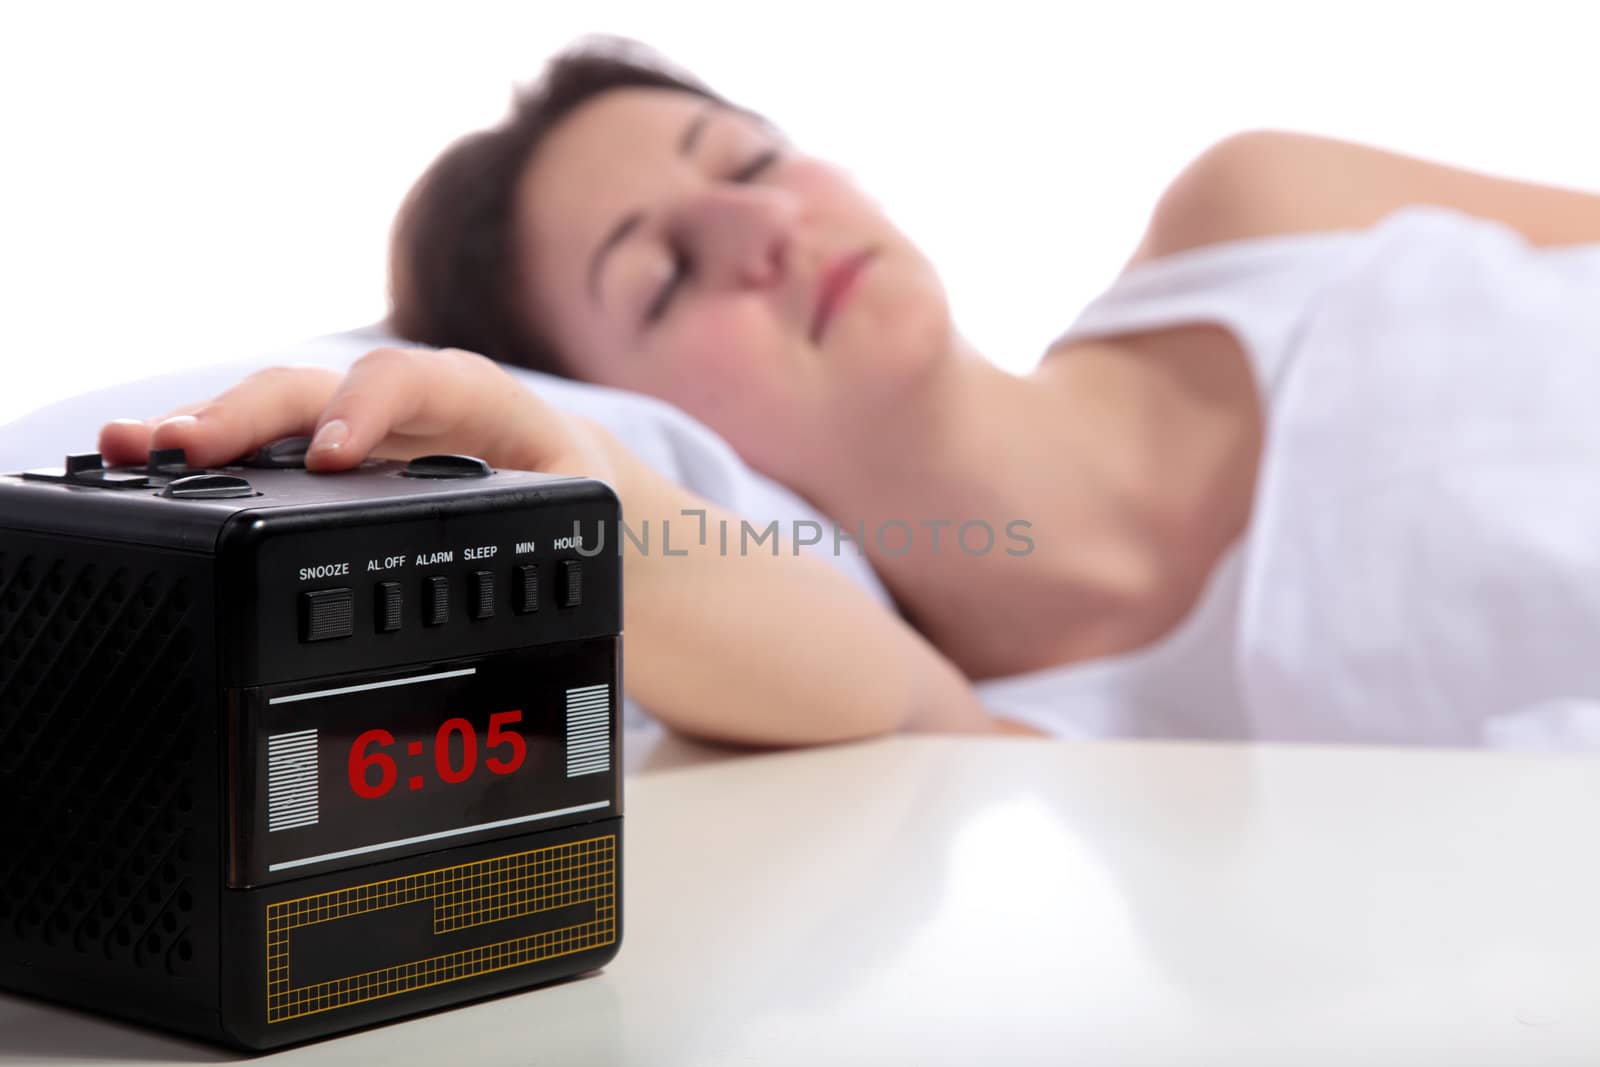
184 183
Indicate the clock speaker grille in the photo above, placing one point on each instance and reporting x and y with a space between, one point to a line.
100 721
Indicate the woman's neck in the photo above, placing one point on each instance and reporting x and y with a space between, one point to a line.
1074 510
955 445
978 486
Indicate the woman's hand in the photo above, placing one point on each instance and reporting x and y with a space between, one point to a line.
757 649
394 403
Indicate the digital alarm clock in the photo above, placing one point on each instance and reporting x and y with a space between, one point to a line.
285 754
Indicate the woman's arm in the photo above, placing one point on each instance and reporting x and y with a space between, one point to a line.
751 649
1268 182
758 648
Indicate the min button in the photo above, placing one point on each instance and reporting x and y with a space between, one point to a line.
526 591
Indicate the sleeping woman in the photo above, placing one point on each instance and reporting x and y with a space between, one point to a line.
1320 464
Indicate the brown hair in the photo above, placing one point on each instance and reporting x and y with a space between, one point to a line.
453 274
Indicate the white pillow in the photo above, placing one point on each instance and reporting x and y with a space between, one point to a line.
674 443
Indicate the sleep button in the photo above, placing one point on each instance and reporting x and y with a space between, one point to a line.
327 613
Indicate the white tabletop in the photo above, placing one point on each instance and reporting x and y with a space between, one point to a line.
964 901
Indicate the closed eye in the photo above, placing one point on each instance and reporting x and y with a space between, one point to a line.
681 267
682 263
752 170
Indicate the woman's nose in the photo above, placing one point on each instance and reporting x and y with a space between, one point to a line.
743 232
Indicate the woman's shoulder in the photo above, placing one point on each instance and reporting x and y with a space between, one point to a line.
1264 183
1249 184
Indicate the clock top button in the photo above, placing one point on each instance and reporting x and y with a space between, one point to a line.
447 466
208 487
169 463
286 453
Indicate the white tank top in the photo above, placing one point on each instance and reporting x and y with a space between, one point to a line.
1185 684
1422 564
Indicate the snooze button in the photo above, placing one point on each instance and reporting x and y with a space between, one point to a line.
327 613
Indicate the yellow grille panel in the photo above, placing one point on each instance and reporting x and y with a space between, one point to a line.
464 896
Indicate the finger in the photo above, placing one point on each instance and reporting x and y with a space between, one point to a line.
125 441
453 401
273 403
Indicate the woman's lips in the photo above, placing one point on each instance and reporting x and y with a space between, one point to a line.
837 281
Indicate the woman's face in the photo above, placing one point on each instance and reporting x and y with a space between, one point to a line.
680 248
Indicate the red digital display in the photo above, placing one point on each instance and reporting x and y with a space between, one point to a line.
373 769
355 768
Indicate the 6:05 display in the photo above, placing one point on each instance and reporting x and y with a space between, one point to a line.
367 752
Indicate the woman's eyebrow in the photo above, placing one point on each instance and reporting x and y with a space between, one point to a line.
697 126
630 222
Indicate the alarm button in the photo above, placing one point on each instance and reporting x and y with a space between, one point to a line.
482 594
390 607
435 600
208 487
447 466
571 594
526 593
327 613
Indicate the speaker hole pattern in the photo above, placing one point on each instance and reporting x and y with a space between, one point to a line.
97 714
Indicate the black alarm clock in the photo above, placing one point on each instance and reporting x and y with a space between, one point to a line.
285 754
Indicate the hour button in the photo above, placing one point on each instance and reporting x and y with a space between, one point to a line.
570 594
